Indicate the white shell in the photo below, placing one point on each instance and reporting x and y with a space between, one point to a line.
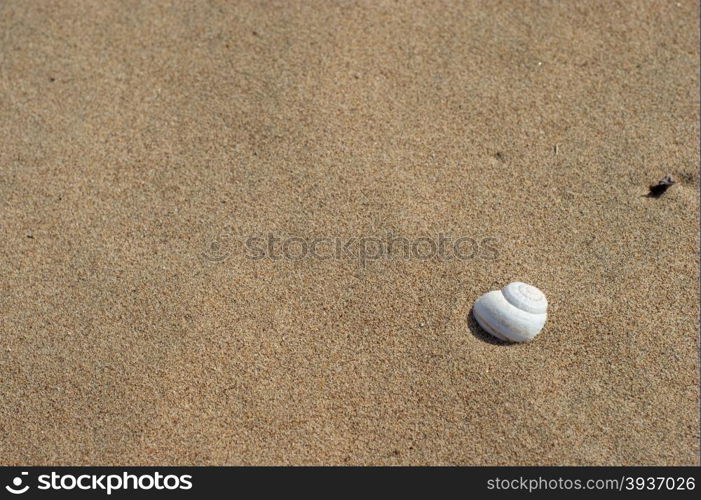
516 313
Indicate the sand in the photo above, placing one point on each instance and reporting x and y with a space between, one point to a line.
142 142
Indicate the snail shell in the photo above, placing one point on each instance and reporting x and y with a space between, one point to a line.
516 313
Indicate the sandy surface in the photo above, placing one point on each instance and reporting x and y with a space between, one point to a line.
138 140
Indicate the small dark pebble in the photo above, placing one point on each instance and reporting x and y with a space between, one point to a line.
657 190
30 236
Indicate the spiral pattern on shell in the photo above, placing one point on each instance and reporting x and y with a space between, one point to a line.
516 313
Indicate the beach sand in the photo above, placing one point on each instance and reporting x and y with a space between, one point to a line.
142 143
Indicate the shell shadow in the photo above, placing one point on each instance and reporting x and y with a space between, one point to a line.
477 331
